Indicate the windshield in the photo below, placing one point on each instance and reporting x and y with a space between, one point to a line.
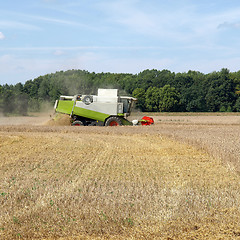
126 104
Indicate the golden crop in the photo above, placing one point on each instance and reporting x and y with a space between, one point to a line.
167 181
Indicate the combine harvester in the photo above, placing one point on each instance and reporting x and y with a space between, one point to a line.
104 109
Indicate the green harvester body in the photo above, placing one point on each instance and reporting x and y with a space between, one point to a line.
106 108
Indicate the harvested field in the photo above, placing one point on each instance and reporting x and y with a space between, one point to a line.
167 181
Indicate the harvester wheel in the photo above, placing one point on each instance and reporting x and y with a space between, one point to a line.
77 123
113 121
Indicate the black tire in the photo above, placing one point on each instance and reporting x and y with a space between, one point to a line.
87 100
77 123
113 121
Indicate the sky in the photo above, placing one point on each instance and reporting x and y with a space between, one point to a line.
120 36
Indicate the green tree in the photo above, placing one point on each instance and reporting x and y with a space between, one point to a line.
192 98
168 99
1 99
235 77
221 93
152 99
43 91
193 91
140 94
129 83
237 105
8 99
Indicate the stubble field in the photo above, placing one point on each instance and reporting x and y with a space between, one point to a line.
177 179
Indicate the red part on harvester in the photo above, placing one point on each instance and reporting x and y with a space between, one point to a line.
146 121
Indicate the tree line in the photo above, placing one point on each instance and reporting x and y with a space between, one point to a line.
156 91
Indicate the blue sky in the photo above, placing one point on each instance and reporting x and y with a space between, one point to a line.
121 36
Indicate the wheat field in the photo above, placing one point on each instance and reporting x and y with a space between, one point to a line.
61 182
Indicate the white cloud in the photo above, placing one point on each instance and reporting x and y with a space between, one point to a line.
56 20
14 69
226 25
177 38
128 14
58 52
180 24
153 21
17 25
50 1
61 50
1 36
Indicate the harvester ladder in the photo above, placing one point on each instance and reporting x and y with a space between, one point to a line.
73 107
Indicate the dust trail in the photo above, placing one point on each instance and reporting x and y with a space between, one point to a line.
59 120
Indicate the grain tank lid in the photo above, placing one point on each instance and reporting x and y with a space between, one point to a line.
107 92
